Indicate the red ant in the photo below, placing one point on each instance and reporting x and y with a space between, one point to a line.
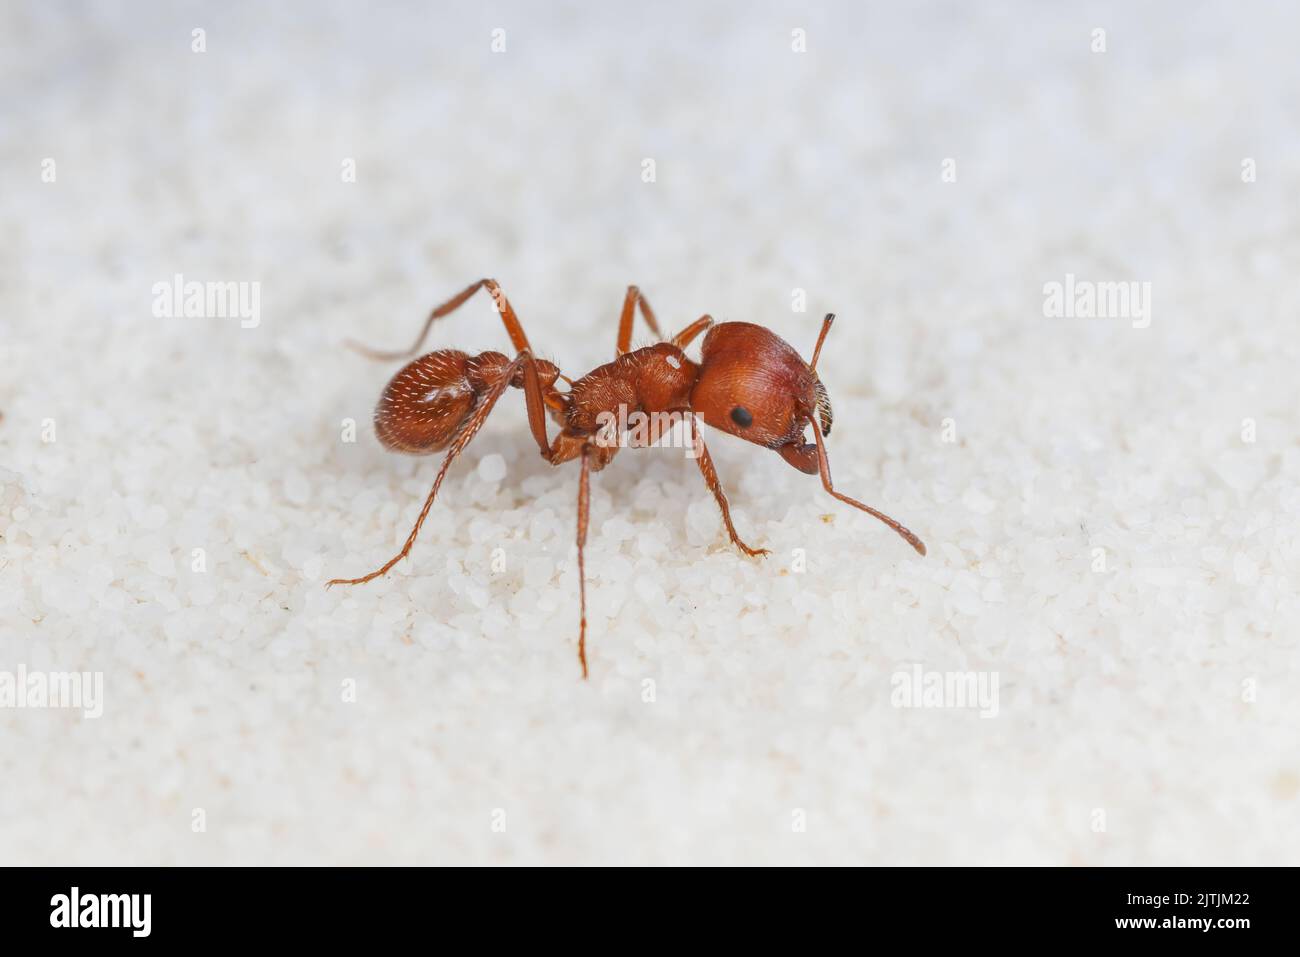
749 382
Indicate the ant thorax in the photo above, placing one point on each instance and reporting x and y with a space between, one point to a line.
654 380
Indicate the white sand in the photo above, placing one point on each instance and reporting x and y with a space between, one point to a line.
1147 713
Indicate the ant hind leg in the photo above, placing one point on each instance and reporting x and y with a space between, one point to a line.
513 327
463 438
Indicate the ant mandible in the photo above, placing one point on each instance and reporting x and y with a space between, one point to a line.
749 382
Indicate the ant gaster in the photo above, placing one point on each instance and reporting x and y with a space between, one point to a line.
749 382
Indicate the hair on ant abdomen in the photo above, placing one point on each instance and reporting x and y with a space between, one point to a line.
749 382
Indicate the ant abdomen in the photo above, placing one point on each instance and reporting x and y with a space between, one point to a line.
424 405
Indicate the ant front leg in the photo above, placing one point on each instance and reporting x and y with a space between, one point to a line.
687 335
513 327
705 462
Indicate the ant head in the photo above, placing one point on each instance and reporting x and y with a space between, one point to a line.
753 384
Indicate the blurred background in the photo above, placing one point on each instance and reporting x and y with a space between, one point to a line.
921 170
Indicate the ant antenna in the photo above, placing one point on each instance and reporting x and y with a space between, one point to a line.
826 327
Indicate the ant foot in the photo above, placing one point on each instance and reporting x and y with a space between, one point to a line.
345 581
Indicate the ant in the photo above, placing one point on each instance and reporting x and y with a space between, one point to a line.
749 382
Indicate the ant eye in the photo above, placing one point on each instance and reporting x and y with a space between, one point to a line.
740 415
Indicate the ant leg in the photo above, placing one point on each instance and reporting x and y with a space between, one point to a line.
630 302
683 338
536 402
513 327
467 432
537 423
705 462
824 466
584 511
